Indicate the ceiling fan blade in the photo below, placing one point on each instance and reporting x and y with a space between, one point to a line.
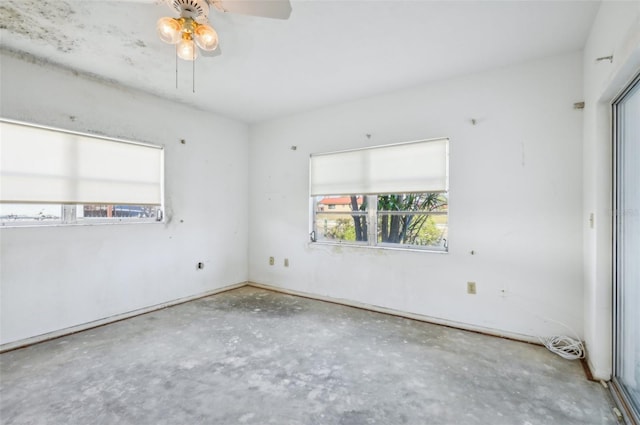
276 9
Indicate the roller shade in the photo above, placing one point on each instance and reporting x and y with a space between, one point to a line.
401 168
43 165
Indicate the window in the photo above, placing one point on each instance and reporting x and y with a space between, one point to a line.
51 176
14 215
411 220
341 224
386 196
24 214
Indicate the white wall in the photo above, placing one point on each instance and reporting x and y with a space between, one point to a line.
58 277
616 31
515 199
516 181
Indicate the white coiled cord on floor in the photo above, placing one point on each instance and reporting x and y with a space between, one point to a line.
564 346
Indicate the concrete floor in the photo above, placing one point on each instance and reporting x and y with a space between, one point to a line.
251 356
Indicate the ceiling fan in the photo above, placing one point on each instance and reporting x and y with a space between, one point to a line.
191 30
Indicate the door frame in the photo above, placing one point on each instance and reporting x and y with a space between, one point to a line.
630 413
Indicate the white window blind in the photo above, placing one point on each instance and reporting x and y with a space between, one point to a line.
43 165
401 168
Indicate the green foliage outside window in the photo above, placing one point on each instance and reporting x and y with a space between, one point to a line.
409 229
402 219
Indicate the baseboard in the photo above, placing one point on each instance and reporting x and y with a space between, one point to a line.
97 323
422 318
587 370
350 303
597 374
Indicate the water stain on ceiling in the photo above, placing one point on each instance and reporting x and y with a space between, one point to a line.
44 27
40 21
107 40
327 52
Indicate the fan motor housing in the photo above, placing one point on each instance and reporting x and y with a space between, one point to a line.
198 10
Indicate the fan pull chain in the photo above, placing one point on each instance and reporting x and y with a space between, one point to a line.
193 71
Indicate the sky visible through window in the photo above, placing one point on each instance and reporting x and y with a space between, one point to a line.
30 211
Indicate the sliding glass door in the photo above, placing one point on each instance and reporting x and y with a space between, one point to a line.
626 111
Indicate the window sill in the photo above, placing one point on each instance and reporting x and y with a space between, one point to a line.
83 224
379 247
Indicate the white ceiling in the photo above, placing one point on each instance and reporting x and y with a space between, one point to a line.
327 52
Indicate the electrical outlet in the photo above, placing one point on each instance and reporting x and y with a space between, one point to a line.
471 288
272 261
286 262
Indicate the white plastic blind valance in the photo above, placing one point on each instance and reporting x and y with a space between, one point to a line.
43 165
401 168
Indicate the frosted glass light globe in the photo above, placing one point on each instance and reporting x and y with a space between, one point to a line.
187 50
169 30
206 37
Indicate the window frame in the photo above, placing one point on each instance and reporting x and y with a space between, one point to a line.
372 215
415 167
69 211
69 217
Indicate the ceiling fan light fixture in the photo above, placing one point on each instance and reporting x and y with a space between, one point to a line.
169 30
186 48
206 37
191 30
